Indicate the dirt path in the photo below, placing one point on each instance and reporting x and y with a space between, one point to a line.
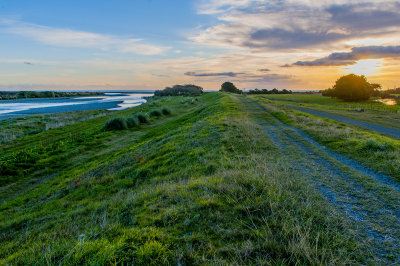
377 128
369 199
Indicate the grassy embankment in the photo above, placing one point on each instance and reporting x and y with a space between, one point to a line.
203 185
373 150
11 129
370 111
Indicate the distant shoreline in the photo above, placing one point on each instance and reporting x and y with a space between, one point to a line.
15 95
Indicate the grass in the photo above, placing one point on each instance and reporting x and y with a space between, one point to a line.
117 123
155 113
12 129
166 111
334 103
131 122
142 118
201 186
373 150
369 111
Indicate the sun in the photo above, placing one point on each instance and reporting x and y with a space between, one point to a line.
364 67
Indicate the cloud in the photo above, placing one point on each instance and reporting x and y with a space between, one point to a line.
218 6
28 63
264 70
226 74
294 38
265 78
357 53
82 39
264 25
365 16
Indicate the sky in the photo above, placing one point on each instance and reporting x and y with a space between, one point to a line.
151 44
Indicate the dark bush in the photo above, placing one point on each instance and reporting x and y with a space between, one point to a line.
115 124
142 118
131 122
230 87
180 90
166 111
155 113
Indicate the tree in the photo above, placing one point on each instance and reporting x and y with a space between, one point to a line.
375 87
229 87
352 88
180 90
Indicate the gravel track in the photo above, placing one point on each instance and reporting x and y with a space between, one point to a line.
367 198
374 127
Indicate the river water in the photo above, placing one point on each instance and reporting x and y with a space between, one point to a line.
109 101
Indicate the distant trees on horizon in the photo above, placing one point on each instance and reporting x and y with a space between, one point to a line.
10 95
273 91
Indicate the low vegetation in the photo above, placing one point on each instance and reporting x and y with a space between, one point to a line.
377 152
371 111
166 111
142 118
117 123
155 113
10 95
14 128
131 122
203 185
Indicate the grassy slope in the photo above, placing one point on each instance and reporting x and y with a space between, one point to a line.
202 186
373 150
374 112
11 129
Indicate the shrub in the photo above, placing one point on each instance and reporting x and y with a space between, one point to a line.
115 124
142 118
180 90
155 113
230 87
166 111
131 122
375 145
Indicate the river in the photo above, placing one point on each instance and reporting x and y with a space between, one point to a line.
109 101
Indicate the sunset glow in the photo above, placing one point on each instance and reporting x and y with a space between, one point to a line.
148 45
365 67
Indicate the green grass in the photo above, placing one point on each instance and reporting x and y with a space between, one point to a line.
155 113
373 150
116 123
370 111
201 186
166 111
132 122
142 118
11 129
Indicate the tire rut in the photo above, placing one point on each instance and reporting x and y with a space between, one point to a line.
338 180
370 126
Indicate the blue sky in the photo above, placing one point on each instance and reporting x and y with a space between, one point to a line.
150 44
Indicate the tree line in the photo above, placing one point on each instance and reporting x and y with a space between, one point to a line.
10 95
230 87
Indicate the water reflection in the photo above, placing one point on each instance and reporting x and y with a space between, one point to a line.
109 101
387 101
